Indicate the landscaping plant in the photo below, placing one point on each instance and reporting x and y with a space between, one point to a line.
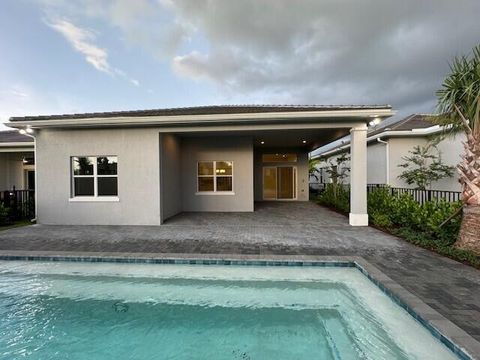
459 108
424 165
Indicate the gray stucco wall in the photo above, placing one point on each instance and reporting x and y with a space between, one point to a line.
138 176
450 148
236 149
170 187
301 165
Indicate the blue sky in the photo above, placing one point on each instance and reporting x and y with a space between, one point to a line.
65 56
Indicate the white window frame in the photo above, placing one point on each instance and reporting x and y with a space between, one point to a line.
95 176
215 192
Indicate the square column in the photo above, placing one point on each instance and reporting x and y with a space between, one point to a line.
358 177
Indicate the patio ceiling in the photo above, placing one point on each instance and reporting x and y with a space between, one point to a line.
308 139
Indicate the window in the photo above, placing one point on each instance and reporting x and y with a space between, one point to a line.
215 176
279 157
94 176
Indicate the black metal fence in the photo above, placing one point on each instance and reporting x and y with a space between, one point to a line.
421 196
20 203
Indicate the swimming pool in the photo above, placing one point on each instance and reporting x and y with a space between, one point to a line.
56 310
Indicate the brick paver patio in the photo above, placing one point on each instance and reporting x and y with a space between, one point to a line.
290 228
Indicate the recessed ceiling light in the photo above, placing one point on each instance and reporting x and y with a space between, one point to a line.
262 142
304 141
22 131
29 130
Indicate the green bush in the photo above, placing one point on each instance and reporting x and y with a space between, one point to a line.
4 215
336 196
421 224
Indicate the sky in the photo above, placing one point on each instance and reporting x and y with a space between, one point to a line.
70 56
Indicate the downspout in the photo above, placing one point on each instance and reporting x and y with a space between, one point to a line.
387 160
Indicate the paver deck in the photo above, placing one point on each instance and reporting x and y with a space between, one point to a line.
288 228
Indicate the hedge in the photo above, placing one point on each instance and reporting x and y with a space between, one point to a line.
403 216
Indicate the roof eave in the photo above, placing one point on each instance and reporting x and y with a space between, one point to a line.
364 115
386 135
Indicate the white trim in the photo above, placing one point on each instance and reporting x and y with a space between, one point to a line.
215 193
16 149
387 134
94 199
358 219
29 144
95 178
208 118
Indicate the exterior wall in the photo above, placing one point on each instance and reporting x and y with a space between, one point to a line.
399 148
236 149
12 170
301 165
377 163
138 176
450 148
171 190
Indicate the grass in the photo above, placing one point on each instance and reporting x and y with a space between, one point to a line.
16 224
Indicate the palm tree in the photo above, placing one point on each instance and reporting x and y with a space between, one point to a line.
459 106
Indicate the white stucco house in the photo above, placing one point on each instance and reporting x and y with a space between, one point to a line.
387 144
17 166
142 167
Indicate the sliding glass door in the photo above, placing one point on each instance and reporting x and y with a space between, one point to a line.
279 182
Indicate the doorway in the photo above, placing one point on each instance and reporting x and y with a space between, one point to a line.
279 183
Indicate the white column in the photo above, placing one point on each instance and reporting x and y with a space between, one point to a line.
358 176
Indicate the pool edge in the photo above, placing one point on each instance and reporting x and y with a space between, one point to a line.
452 336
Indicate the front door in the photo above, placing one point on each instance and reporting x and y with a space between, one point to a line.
279 182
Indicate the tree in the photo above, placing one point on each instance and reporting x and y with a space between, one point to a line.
424 165
459 109
313 171
337 169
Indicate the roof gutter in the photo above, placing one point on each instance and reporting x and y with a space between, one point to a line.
388 134
199 120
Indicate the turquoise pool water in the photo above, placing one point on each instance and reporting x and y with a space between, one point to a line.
52 310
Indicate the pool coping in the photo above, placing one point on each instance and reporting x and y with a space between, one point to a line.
452 336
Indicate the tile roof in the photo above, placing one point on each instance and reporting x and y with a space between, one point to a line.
414 121
204 110
11 136
411 122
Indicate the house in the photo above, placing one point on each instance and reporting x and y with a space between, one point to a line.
388 144
17 165
142 167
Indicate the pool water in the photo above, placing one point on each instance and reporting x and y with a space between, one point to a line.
53 310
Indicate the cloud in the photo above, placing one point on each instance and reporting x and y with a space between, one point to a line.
82 40
327 51
315 51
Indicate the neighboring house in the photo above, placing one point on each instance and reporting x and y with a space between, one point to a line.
17 166
388 144
142 167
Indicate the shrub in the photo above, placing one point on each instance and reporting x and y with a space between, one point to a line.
336 196
381 219
4 215
380 200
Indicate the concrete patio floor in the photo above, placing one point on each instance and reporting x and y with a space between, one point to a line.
288 228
